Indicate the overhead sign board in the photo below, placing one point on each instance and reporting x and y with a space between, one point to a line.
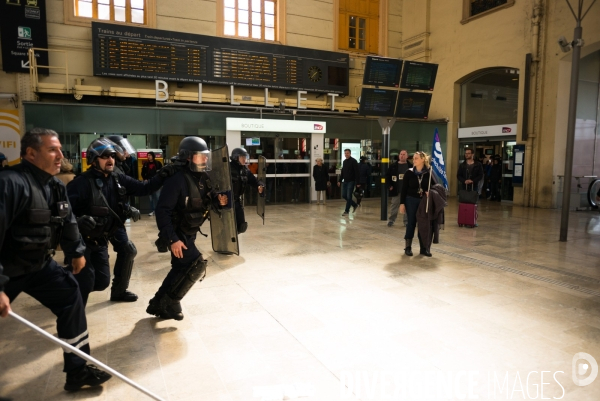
23 26
490 130
266 125
143 53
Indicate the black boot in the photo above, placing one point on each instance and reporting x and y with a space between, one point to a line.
424 251
408 247
126 296
88 375
165 308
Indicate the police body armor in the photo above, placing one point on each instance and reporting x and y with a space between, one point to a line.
197 208
34 235
239 180
107 220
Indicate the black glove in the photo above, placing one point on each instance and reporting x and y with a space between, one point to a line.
167 171
135 214
86 224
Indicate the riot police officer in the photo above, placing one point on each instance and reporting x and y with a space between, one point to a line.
240 177
3 162
184 204
99 199
35 217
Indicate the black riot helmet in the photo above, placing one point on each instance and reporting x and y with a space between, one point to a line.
195 150
237 153
124 144
100 147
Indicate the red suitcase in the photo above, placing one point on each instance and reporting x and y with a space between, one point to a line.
467 215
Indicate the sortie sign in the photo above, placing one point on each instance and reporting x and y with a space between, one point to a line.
23 26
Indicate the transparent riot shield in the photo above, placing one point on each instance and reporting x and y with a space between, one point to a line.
223 229
262 177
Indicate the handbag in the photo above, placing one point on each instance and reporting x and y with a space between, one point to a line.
468 196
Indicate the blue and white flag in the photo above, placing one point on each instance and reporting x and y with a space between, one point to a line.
437 160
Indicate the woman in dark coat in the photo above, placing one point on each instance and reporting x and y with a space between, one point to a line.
321 177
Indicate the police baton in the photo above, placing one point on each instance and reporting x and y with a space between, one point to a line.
85 356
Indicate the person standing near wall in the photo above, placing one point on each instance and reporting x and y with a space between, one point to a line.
149 170
321 177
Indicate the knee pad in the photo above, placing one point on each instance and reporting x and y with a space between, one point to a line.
130 249
242 227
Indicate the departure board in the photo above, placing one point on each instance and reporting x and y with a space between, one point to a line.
413 105
141 53
417 75
381 71
377 102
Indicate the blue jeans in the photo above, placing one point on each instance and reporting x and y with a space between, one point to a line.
347 190
154 200
412 205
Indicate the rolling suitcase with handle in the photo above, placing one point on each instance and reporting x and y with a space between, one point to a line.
467 215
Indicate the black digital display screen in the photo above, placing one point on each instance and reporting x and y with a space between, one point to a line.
377 102
418 75
381 71
142 53
413 105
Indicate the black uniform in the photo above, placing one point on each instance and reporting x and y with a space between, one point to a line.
35 216
183 206
84 193
240 178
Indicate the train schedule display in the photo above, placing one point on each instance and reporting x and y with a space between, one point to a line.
142 53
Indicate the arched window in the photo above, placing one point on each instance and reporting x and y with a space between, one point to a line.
490 98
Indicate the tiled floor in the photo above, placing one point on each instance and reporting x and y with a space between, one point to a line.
329 307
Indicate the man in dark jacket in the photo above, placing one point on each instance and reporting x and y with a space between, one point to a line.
496 180
33 202
350 175
394 177
149 170
470 172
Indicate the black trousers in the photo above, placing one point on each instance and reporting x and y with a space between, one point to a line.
95 276
119 241
56 289
239 213
179 265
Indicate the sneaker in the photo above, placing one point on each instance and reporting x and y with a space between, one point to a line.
345 214
390 223
151 214
89 375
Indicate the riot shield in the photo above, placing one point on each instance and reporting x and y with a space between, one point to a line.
262 177
223 228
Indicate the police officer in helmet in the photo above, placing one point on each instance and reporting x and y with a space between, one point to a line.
184 204
99 198
35 217
3 162
240 177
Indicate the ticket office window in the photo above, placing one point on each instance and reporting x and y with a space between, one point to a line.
289 179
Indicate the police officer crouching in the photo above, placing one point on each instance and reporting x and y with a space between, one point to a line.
99 198
240 177
35 217
184 204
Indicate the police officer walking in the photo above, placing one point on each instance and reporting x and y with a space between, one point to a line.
240 177
184 204
35 217
99 198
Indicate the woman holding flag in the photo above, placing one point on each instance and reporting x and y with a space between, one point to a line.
417 182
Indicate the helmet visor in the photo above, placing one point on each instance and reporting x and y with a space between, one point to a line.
125 144
200 161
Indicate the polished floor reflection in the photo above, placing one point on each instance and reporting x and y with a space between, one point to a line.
322 307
